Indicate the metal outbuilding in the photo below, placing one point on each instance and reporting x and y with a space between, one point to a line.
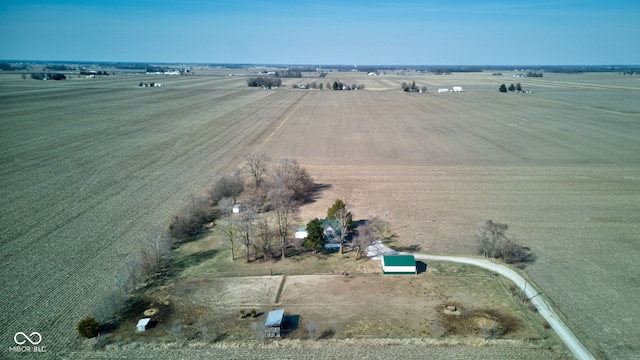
399 265
142 324
273 323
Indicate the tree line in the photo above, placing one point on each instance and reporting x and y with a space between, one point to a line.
264 81
52 76
512 88
338 85
412 87
271 194
270 203
288 74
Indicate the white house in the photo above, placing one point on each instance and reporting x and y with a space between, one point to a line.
443 91
457 89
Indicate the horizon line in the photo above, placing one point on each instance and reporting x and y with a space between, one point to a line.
355 66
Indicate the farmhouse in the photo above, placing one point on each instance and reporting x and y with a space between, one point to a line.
398 265
273 323
331 230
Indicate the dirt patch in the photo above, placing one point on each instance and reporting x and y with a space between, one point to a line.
484 323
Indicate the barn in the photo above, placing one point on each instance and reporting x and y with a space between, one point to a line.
273 323
399 265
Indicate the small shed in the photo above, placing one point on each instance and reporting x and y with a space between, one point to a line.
399 265
301 232
143 324
273 323
237 208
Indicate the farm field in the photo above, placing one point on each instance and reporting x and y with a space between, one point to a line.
90 167
560 166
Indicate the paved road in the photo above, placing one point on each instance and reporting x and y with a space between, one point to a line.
544 309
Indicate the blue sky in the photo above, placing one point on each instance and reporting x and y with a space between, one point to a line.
465 32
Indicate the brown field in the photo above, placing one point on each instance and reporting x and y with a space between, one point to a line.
90 167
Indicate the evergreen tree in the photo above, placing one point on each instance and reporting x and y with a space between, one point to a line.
315 238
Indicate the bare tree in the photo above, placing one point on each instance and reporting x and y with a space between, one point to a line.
123 281
492 242
108 306
245 226
290 174
365 235
133 266
227 187
344 217
227 224
256 164
191 218
156 248
284 206
489 236
264 234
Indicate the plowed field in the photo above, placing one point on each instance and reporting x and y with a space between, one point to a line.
90 167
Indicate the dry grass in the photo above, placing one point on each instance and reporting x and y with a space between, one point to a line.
364 304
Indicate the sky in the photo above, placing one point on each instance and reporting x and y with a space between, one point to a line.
399 32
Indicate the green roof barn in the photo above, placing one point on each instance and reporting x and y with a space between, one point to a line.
399 265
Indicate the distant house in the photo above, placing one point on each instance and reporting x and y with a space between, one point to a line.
273 324
443 91
398 265
457 89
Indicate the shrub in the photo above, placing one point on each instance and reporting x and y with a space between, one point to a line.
88 327
191 219
253 313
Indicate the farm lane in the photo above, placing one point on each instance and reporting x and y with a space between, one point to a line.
544 309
